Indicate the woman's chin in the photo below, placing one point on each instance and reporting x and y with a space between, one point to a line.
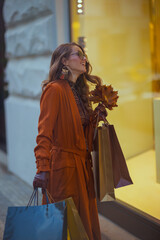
84 70
81 71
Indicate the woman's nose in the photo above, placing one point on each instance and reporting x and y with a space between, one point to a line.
85 58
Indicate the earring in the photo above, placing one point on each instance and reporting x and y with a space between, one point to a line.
64 70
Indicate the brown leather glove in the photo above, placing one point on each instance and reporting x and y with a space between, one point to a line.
41 180
101 111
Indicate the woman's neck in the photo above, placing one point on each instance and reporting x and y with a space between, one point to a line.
73 77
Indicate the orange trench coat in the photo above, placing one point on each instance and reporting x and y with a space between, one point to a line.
61 150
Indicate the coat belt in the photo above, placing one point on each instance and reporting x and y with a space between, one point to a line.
82 153
87 166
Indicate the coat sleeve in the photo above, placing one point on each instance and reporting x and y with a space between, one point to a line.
90 129
49 108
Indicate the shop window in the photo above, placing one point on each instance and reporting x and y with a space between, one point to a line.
122 41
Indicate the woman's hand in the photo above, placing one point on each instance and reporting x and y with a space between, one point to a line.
41 180
101 111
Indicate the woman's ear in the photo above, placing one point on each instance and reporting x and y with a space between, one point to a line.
64 61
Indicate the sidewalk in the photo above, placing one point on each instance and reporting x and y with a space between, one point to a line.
15 192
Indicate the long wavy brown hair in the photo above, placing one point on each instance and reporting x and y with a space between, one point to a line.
56 65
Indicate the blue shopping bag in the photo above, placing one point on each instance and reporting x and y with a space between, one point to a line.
45 222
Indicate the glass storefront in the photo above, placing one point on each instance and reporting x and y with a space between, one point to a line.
123 46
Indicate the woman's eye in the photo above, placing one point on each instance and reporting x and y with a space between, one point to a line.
81 54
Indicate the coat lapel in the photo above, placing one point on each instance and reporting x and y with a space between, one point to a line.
78 128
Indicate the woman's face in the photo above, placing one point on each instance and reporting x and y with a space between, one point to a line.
76 62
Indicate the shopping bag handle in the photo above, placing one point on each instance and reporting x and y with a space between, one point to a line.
34 197
106 123
49 196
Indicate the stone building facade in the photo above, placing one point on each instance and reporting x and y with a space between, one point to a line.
33 30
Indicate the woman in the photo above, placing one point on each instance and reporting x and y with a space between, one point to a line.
65 134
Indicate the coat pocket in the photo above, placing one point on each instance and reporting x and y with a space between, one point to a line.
61 159
64 183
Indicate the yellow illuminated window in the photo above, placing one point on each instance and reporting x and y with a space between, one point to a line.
122 40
